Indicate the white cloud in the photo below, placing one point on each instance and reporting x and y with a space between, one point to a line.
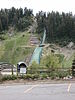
37 5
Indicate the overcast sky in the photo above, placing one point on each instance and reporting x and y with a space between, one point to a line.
44 5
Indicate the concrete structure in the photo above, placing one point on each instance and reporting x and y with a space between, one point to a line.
21 68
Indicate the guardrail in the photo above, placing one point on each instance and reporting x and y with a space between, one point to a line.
49 70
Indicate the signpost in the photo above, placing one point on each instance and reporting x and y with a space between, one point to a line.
22 70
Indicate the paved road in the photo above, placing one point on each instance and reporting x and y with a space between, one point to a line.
64 91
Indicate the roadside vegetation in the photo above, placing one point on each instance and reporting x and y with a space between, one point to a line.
49 68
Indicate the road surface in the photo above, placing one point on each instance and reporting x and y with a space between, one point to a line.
64 91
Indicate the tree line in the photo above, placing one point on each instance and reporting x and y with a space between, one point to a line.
20 18
58 26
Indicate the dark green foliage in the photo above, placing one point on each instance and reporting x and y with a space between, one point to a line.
27 76
9 77
23 23
59 73
60 27
18 18
2 37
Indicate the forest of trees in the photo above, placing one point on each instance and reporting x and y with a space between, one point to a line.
59 27
20 18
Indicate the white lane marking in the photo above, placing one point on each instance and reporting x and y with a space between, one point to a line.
69 86
6 86
29 89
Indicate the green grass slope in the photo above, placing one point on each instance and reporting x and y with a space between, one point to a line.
13 49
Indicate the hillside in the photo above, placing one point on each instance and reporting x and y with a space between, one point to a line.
21 45
16 48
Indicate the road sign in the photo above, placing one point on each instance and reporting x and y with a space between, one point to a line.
22 70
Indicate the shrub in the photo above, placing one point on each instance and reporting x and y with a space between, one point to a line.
63 74
13 77
28 76
43 75
9 77
51 61
33 69
35 76
2 37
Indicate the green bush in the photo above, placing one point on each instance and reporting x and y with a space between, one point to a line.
28 76
53 75
60 74
33 69
2 37
4 78
44 76
63 74
51 61
13 77
9 77
0 78
35 76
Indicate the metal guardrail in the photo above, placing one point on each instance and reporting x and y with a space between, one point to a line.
46 70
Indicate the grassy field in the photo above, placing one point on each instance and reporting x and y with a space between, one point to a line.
13 49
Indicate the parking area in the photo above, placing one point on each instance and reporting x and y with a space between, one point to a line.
65 91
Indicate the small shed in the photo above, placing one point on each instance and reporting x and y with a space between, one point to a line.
21 68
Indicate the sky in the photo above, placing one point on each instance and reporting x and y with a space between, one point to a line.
38 5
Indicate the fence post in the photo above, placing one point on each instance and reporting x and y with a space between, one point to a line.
12 70
73 68
17 69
